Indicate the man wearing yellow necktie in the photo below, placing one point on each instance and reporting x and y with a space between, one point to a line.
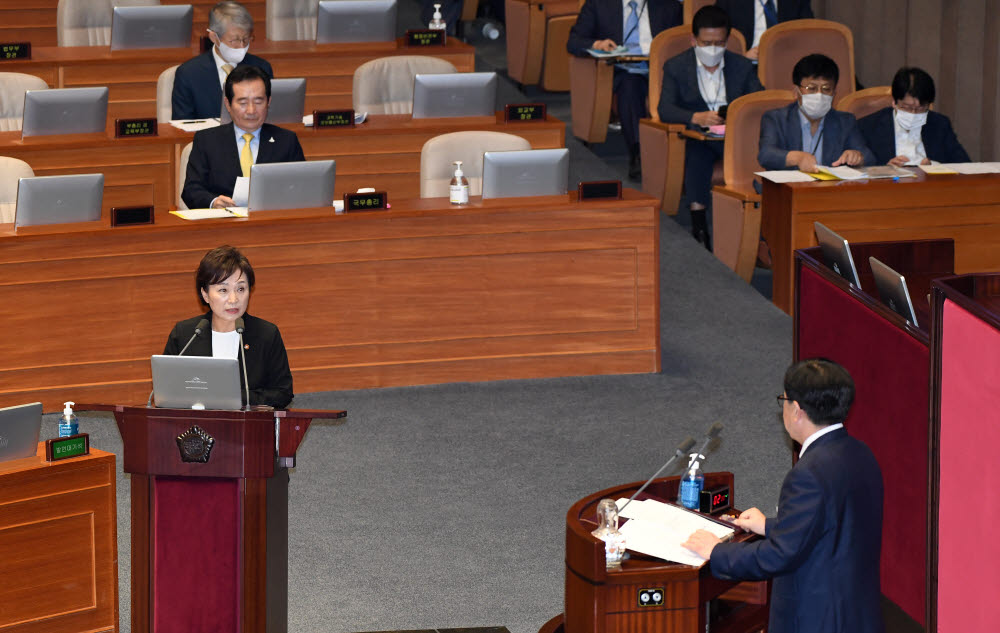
222 154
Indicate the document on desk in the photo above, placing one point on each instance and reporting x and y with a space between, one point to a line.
886 171
193 125
975 168
241 191
784 175
937 168
618 52
207 214
842 173
657 529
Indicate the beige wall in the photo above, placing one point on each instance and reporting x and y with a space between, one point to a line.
956 41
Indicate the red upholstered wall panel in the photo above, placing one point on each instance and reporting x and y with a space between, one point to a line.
969 509
890 414
196 565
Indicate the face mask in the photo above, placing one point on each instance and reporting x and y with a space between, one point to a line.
817 105
709 55
910 121
231 55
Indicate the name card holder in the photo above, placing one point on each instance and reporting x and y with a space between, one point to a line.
370 201
426 37
515 112
10 51
128 216
67 447
600 189
126 128
332 118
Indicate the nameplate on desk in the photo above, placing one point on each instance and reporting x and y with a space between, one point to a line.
598 189
426 37
127 216
125 128
366 201
524 112
67 447
333 118
15 50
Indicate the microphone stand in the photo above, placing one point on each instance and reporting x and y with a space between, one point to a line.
680 451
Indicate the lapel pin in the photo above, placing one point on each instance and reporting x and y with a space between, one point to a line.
246 346
270 140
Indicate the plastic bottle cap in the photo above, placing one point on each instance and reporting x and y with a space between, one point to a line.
68 411
696 465
458 169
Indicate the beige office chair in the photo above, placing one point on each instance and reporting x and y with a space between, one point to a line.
10 170
182 167
861 103
691 7
291 19
783 45
438 154
736 205
537 33
164 95
385 85
12 87
88 22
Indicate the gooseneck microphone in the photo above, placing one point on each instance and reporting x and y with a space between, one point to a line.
681 451
710 435
240 326
198 329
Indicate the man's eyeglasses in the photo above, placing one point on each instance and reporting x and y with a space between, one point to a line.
783 399
913 109
811 89
238 42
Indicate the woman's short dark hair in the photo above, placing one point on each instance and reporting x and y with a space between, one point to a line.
218 265
822 388
915 82
815 65
710 17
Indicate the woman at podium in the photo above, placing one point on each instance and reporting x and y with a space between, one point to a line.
224 280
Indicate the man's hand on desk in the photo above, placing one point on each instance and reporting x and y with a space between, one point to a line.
701 542
752 520
707 118
850 157
803 161
901 161
222 202
604 45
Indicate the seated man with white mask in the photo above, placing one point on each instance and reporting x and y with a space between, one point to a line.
696 84
807 132
198 82
908 133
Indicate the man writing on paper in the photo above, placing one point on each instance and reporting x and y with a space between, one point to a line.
696 84
198 82
221 154
808 132
822 550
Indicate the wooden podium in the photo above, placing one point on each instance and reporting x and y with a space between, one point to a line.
210 516
693 601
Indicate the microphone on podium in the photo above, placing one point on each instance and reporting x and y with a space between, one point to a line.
710 435
681 451
240 326
198 329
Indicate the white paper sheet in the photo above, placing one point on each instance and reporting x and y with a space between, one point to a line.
193 125
241 192
975 168
937 168
658 529
784 175
843 172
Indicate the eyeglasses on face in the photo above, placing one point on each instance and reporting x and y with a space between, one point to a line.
813 88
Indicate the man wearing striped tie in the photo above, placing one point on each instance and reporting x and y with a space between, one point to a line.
221 154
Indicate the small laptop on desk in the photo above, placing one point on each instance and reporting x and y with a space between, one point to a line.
837 253
59 199
454 94
528 172
151 27
296 185
196 382
340 21
893 291
19 427
64 111
288 102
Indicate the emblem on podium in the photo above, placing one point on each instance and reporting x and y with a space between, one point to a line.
195 445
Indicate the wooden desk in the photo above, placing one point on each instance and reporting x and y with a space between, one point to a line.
58 544
383 152
964 208
131 75
423 293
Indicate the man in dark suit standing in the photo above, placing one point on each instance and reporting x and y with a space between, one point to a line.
603 25
753 17
909 133
221 154
822 550
808 132
696 84
198 82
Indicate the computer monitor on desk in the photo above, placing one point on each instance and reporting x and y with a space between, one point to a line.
837 253
300 185
454 94
892 290
19 428
530 172
356 21
64 111
59 199
167 26
288 102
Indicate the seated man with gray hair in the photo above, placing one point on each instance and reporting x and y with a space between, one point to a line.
198 82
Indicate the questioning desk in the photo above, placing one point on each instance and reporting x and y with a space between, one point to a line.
423 293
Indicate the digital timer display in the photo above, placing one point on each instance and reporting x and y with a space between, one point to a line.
715 499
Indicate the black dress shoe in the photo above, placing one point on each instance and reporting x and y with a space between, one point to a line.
634 168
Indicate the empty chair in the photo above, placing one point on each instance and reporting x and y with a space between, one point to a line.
783 45
736 206
861 103
537 33
385 85
10 170
12 87
291 19
164 92
439 153
88 22
182 167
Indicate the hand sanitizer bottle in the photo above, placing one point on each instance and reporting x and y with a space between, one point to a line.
437 24
68 424
607 531
692 484
459 188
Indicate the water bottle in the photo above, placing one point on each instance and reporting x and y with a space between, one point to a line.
607 531
692 484
68 424
436 23
458 189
